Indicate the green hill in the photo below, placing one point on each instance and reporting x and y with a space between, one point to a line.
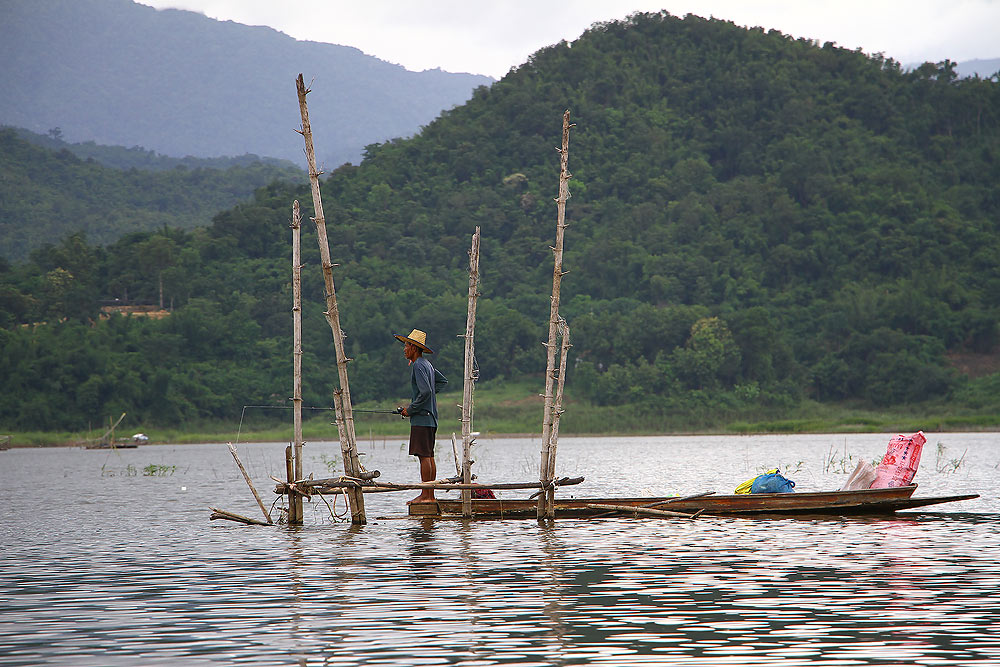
138 157
757 222
47 194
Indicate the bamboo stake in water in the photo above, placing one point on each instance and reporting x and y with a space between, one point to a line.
290 477
454 453
355 496
232 450
469 375
294 499
550 501
547 466
345 415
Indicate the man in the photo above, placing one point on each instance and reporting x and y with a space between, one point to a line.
425 382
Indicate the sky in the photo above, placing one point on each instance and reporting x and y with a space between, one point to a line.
492 37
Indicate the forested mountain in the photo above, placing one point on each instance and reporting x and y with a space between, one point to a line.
48 194
119 73
138 157
756 220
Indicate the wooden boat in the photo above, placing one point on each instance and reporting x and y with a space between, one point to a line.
866 501
125 444
131 443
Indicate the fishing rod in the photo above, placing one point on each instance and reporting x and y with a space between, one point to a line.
397 411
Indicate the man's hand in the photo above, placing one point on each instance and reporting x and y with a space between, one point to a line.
403 412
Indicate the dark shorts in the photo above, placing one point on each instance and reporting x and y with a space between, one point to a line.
422 440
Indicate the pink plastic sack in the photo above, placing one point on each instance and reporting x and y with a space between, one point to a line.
900 462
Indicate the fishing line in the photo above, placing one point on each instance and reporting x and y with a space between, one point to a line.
304 407
271 407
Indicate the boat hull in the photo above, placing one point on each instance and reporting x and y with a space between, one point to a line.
867 501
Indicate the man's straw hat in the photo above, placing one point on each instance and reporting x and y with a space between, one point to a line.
418 338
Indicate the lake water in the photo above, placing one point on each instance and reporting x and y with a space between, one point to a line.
105 565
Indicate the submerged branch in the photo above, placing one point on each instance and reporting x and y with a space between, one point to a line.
238 518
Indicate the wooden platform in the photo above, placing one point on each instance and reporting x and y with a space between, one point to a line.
868 501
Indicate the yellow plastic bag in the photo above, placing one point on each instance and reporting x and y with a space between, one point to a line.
745 486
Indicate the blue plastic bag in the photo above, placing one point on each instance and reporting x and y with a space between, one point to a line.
772 483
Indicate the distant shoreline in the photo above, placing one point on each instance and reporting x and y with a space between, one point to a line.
441 441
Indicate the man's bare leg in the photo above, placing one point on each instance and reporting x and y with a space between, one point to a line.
428 473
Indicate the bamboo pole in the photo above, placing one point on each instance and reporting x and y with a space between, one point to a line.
454 453
355 498
636 511
557 410
294 499
677 500
109 435
469 375
669 501
342 396
232 516
232 450
324 485
294 518
547 467
560 386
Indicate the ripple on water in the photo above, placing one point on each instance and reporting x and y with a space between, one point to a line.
126 570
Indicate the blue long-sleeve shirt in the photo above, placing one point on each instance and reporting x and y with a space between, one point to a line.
425 382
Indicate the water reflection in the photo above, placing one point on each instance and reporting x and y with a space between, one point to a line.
127 570
551 565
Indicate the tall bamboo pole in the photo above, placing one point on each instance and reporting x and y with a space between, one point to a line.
547 466
294 499
470 375
342 395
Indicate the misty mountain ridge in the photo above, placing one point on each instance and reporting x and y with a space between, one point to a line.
178 83
983 68
174 82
